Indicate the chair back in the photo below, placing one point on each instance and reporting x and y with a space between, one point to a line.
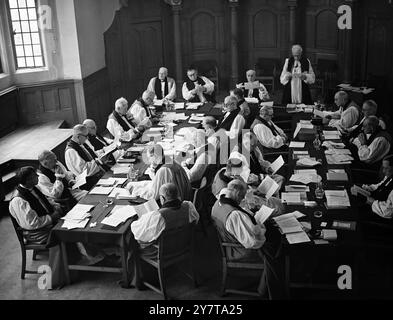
176 243
196 191
226 247
18 231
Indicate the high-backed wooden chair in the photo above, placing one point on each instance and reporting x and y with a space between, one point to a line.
209 69
229 264
173 246
24 246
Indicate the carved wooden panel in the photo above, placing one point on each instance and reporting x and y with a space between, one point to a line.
203 31
326 35
265 29
50 100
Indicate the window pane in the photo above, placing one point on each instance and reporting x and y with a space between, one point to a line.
21 63
35 38
29 62
26 38
22 3
25 26
30 3
16 27
19 51
14 14
32 14
18 39
37 50
33 26
23 14
28 51
13 3
38 62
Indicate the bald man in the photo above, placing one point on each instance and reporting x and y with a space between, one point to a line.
232 122
253 88
163 87
296 76
79 157
121 127
141 110
348 114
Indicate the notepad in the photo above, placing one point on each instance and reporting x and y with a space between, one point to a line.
297 188
298 237
297 145
101 190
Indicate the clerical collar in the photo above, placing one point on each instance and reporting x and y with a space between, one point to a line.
26 188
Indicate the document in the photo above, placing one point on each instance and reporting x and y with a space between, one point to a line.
119 215
268 187
194 105
295 214
179 105
290 225
337 199
307 162
332 135
267 104
297 188
71 224
120 168
79 212
145 208
252 100
306 178
157 129
262 215
296 238
107 182
108 150
80 180
121 194
158 103
101 190
329 235
340 176
276 165
297 145
291 198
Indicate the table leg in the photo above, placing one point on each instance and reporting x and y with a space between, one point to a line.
287 276
65 262
125 282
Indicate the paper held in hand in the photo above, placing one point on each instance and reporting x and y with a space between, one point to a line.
268 187
108 150
276 165
80 180
263 214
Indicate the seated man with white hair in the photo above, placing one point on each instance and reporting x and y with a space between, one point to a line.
55 181
140 110
238 225
209 124
163 87
232 122
253 88
268 134
79 157
119 126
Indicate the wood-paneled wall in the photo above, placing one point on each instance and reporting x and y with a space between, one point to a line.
9 112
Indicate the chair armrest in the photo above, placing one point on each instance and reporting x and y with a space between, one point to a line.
232 245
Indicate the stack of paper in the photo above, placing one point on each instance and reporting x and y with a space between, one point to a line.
337 175
337 199
297 145
307 162
292 228
333 145
292 198
194 106
121 194
339 159
158 103
305 178
297 188
111 182
101 191
120 168
119 215
338 151
78 217
267 104
331 135
179 105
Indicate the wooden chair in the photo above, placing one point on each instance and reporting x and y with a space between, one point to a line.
194 201
228 264
209 69
173 247
26 247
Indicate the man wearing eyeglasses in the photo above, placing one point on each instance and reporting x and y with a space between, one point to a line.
79 157
198 88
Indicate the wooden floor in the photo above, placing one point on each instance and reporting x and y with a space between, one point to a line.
28 142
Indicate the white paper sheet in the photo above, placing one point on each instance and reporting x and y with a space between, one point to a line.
80 180
268 187
297 145
276 165
101 190
263 214
299 237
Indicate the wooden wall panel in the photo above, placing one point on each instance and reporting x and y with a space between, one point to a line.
9 112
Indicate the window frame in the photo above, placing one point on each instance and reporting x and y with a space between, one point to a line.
12 36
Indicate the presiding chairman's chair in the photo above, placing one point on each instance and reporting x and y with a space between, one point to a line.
173 246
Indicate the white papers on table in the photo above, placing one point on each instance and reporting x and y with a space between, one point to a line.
358 190
298 237
121 194
252 100
301 126
101 190
157 129
305 171
329 235
79 212
332 135
295 214
136 149
305 178
339 159
119 215
276 165
111 181
300 152
309 109
80 180
268 187
333 145
120 168
289 225
194 105
291 198
297 145
108 150
267 104
297 188
172 116
338 151
159 103
307 162
179 105
71 224
263 214
337 199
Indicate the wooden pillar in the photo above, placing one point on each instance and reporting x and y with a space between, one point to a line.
292 4
348 46
234 43
176 9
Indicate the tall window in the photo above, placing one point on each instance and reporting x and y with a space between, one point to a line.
26 34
